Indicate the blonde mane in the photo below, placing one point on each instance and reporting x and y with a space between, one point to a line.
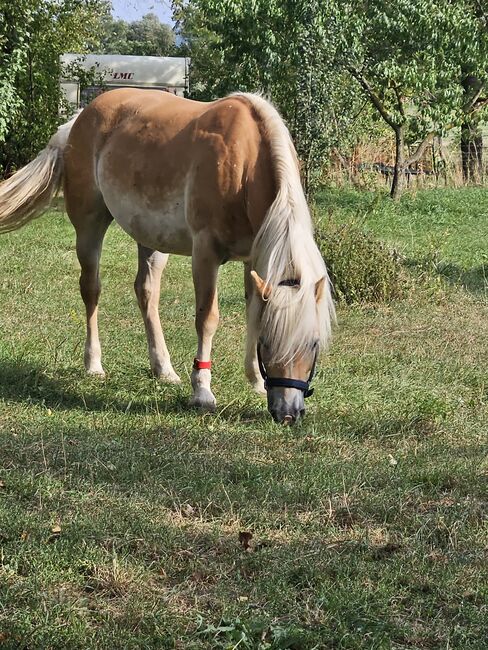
284 249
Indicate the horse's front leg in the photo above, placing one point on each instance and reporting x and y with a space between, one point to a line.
251 361
205 267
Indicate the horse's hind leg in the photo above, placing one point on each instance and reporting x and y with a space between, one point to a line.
89 238
147 287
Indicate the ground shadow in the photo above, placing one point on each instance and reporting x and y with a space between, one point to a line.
69 389
474 280
26 382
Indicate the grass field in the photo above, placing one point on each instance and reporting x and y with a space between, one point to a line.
129 521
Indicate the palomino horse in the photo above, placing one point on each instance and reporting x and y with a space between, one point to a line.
218 181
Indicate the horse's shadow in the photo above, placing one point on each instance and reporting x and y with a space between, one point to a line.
69 389
27 383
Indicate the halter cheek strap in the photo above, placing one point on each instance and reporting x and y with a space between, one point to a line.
286 382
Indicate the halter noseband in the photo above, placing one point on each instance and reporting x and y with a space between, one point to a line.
287 382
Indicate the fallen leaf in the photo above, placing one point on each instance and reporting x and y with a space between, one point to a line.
2 484
56 529
392 461
245 538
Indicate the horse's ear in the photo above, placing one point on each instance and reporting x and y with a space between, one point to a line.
262 287
319 289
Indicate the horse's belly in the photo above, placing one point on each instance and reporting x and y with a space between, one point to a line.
160 227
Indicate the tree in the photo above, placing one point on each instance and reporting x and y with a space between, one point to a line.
145 37
114 36
149 36
282 48
406 57
14 21
474 80
33 34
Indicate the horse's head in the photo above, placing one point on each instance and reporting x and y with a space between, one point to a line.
290 330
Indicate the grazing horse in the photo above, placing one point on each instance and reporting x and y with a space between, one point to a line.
218 181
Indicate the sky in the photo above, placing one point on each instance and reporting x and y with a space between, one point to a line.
134 9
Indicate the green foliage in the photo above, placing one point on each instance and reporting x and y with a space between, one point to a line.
311 58
411 54
448 224
285 50
144 37
407 58
209 76
361 267
14 33
33 34
252 635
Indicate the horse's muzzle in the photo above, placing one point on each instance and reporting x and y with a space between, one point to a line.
286 405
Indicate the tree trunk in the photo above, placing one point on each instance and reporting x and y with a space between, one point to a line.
471 137
471 152
399 170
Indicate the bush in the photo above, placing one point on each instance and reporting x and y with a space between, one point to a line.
361 268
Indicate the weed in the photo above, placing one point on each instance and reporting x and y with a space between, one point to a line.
362 268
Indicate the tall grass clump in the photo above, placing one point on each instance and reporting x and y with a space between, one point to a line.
362 268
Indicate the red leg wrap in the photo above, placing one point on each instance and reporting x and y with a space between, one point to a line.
201 365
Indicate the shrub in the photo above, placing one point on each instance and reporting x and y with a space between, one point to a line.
362 268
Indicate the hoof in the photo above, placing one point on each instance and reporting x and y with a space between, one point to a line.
167 376
96 372
256 381
258 387
203 400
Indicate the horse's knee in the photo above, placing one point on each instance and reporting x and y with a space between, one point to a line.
90 286
207 323
143 293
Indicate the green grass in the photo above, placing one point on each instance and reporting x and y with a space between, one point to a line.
368 521
444 230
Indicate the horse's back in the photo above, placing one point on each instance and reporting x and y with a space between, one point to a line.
168 167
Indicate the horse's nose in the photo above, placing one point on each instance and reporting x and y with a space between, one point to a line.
286 408
289 418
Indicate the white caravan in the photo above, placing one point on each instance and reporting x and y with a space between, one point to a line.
116 71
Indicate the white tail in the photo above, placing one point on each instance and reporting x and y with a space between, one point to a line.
28 192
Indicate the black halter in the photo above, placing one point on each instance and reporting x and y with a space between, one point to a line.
287 382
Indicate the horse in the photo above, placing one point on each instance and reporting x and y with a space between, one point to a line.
216 181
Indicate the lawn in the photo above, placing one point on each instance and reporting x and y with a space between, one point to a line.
128 521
